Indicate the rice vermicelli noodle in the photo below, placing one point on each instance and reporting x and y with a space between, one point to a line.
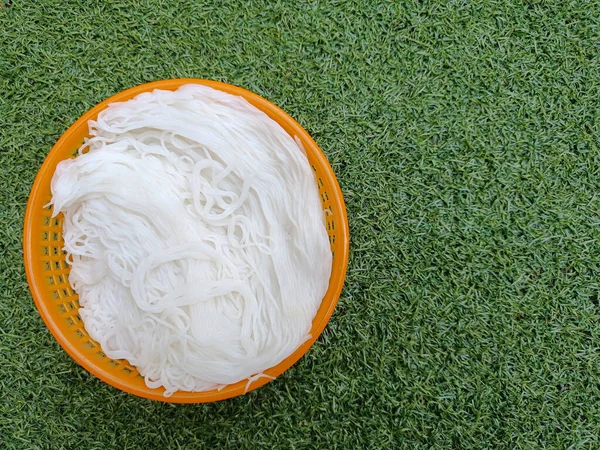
196 237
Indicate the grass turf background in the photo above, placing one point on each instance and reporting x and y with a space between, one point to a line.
465 138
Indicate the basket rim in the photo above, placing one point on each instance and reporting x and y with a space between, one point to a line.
34 276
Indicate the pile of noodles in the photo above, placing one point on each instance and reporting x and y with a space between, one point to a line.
196 237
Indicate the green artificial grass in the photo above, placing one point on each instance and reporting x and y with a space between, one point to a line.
465 138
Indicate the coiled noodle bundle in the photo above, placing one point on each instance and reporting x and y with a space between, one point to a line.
196 237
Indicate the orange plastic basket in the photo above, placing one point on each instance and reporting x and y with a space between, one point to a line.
48 272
